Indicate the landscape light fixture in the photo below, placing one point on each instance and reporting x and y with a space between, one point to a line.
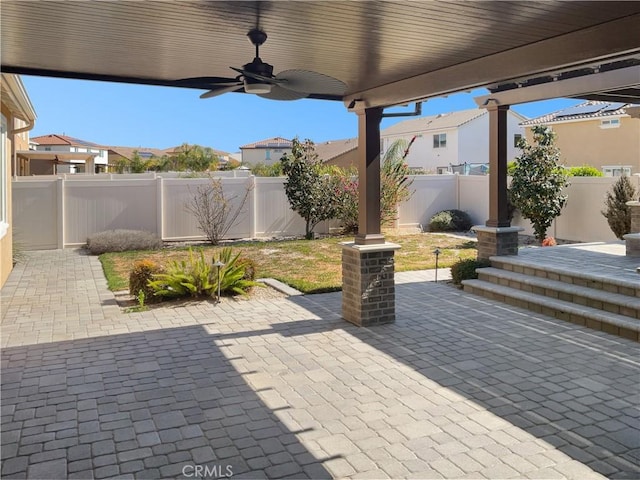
218 265
437 252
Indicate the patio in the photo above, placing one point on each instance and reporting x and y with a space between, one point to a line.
458 387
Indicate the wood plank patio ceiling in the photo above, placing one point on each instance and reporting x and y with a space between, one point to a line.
368 45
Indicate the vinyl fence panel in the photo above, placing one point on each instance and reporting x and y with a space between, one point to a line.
274 216
93 206
180 224
431 193
36 214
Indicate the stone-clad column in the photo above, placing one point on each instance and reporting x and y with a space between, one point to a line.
368 288
632 239
368 285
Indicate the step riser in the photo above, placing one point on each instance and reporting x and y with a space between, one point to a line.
567 278
556 313
611 307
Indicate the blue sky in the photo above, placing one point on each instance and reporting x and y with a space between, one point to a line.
147 116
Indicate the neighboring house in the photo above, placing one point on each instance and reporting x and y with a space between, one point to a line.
342 153
267 151
17 118
605 135
63 154
118 154
445 141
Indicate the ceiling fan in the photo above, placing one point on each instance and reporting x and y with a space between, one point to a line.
257 77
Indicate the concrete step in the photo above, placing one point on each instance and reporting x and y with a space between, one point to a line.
583 279
599 299
612 323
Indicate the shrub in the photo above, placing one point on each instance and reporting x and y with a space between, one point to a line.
249 268
122 241
617 211
584 171
310 193
538 181
140 276
197 277
450 221
215 211
466 269
264 170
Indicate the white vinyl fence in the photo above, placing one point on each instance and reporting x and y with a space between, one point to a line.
62 211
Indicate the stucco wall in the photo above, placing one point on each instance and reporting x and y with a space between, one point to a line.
585 143
423 155
6 242
346 160
473 141
467 143
268 156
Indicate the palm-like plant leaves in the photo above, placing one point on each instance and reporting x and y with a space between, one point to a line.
197 277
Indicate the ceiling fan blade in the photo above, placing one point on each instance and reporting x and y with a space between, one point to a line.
202 82
257 76
219 91
311 82
280 93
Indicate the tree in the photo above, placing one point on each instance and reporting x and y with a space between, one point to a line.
394 181
538 181
617 211
136 163
196 158
310 194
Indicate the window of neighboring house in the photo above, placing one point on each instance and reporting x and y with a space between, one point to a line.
4 213
516 138
616 170
440 140
267 154
610 123
48 149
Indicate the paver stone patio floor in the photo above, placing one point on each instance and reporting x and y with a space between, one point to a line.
458 387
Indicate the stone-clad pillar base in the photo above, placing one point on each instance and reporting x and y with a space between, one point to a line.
368 285
496 241
632 239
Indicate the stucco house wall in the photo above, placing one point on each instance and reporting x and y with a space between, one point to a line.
268 156
467 138
473 139
72 145
423 154
585 142
268 151
17 118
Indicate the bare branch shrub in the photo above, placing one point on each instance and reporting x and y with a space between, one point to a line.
122 241
215 212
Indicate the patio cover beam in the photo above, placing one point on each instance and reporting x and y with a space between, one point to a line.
608 40
579 87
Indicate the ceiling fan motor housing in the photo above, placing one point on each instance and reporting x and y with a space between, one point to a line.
257 37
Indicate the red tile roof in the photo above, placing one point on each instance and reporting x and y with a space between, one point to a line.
55 139
275 142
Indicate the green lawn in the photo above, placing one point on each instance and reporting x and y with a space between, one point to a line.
311 266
